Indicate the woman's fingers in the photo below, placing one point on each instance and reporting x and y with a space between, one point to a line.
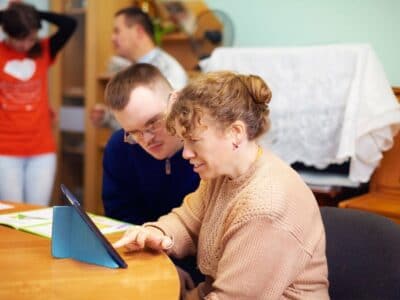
124 241
159 242
129 238
133 247
138 237
166 243
142 238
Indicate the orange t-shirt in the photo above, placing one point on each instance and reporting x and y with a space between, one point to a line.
25 121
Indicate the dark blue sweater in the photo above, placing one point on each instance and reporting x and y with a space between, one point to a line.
136 188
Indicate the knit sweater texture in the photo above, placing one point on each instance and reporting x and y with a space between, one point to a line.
258 236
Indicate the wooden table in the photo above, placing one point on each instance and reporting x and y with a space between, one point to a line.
28 271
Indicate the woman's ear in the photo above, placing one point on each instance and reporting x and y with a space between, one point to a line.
238 132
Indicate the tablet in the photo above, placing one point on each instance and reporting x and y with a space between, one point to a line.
97 233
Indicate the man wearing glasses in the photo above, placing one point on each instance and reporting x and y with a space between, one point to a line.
144 173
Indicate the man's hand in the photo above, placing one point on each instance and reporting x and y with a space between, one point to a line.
97 114
139 237
172 97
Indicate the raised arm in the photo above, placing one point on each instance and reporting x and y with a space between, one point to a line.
66 27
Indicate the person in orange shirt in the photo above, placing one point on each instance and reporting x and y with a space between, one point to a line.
27 146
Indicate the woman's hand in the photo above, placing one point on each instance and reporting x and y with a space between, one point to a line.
139 237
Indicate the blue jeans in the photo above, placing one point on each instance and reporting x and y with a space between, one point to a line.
27 179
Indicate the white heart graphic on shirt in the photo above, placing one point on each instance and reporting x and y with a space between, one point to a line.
20 69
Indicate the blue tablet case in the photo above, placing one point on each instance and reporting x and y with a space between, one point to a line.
73 238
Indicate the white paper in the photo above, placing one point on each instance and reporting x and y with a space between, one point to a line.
5 206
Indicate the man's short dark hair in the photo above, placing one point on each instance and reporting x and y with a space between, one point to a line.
134 15
119 88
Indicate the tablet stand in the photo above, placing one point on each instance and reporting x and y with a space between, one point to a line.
73 238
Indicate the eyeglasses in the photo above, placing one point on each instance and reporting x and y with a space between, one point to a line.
152 127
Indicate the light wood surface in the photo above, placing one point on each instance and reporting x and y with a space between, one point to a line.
384 195
30 272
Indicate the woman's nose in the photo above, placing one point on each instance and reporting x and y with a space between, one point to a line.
187 153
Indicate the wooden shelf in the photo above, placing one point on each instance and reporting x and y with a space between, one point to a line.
74 92
105 77
175 36
76 11
76 133
73 150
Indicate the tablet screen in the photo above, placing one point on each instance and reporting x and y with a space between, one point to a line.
110 249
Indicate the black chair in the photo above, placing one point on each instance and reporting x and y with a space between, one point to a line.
363 253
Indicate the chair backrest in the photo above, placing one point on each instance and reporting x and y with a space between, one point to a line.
386 177
363 253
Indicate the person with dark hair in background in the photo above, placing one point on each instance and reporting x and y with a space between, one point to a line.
27 146
133 39
144 174
254 224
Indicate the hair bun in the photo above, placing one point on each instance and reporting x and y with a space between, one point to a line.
258 89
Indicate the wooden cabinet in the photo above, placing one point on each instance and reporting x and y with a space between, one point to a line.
74 89
67 86
99 25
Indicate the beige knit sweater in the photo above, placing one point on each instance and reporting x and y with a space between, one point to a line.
259 236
